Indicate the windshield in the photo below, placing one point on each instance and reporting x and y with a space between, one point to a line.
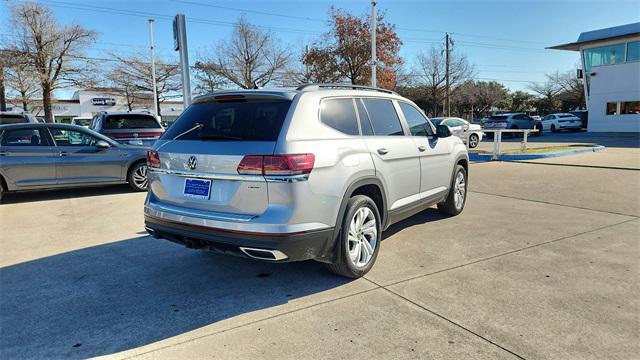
255 120
131 121
12 119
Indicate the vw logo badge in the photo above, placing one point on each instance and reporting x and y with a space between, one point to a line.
192 163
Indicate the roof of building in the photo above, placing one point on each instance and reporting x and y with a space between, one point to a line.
601 35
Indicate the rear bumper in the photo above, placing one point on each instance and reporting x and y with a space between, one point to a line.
296 246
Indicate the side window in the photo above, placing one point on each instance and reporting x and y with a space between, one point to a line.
365 123
383 116
24 137
340 115
64 137
418 124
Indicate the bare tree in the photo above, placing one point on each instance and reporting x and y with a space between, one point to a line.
52 49
431 74
548 92
22 82
478 97
207 81
132 75
250 59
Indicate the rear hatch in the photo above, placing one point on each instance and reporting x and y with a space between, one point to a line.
122 127
201 153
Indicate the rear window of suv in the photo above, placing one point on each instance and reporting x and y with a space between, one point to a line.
12 119
251 120
130 121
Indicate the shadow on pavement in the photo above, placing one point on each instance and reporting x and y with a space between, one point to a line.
428 215
119 296
57 194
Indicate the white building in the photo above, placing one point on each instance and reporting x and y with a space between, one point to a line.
611 62
90 101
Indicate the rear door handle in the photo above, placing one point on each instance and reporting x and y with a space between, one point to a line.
3 153
382 151
422 148
63 153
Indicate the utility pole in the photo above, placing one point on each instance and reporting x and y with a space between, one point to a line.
374 26
447 106
180 44
3 100
153 69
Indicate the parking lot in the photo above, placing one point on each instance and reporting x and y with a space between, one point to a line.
543 263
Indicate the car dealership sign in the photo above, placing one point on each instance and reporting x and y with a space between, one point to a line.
103 101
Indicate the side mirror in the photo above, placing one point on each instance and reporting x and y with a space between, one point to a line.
465 127
442 131
102 145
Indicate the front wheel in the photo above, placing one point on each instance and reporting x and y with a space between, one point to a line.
455 201
554 129
138 177
359 239
473 141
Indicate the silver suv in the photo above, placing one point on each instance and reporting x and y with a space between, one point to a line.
316 172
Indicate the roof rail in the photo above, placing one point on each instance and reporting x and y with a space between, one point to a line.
342 86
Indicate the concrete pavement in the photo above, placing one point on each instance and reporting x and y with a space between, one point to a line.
543 263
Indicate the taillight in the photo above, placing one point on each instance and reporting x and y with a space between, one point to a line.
251 165
295 164
153 159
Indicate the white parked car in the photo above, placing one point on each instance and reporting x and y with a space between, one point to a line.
470 134
562 121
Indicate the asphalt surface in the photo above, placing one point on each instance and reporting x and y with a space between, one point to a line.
543 263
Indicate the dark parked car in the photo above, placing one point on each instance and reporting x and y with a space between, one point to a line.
512 121
7 117
43 156
128 128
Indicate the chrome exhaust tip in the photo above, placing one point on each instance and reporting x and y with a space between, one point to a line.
264 254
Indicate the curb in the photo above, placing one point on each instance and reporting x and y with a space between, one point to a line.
517 157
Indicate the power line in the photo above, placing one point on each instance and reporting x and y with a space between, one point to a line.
251 11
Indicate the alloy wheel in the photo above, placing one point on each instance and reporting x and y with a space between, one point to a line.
363 237
460 190
140 176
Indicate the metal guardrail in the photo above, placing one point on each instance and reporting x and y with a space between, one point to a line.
497 139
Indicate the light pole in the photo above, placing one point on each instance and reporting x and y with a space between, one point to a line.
153 69
374 26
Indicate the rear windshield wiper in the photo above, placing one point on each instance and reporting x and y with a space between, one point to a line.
218 137
195 127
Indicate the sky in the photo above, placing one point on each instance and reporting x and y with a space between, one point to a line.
504 40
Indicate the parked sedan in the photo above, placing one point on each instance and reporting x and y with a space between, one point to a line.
563 121
471 134
44 156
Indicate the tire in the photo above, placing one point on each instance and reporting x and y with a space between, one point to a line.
452 205
473 140
353 260
539 127
1 190
137 176
553 128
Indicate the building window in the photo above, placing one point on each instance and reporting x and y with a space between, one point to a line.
612 108
633 51
604 55
630 107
